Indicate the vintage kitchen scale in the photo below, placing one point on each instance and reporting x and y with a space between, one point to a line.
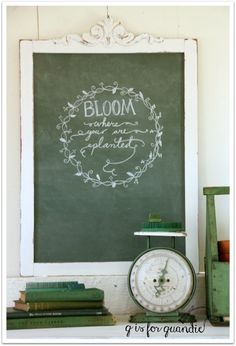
161 280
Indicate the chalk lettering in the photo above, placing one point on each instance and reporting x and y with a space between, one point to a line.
107 108
97 110
112 129
127 132
106 123
127 107
116 107
88 106
118 143
88 134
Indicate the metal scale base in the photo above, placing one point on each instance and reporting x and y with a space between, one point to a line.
161 318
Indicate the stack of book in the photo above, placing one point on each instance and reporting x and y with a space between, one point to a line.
59 304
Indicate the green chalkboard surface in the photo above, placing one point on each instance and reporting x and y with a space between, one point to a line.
108 150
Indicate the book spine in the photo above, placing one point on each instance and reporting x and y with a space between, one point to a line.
64 295
162 225
59 305
60 322
56 284
71 312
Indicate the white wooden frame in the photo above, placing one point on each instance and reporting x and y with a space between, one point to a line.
107 36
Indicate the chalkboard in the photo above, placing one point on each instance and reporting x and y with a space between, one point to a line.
109 149
109 135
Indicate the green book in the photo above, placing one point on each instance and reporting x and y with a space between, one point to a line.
61 294
162 227
60 322
55 284
38 306
13 313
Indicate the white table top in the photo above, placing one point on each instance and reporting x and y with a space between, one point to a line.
138 333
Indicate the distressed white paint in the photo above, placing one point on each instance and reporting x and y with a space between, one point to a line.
117 297
191 145
111 39
27 159
83 268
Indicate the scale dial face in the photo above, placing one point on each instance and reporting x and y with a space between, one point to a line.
161 280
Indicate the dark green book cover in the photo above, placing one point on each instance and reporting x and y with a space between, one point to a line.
62 305
61 294
60 322
13 313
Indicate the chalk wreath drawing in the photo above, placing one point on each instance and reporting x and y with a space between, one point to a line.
98 129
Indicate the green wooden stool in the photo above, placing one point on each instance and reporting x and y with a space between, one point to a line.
217 273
